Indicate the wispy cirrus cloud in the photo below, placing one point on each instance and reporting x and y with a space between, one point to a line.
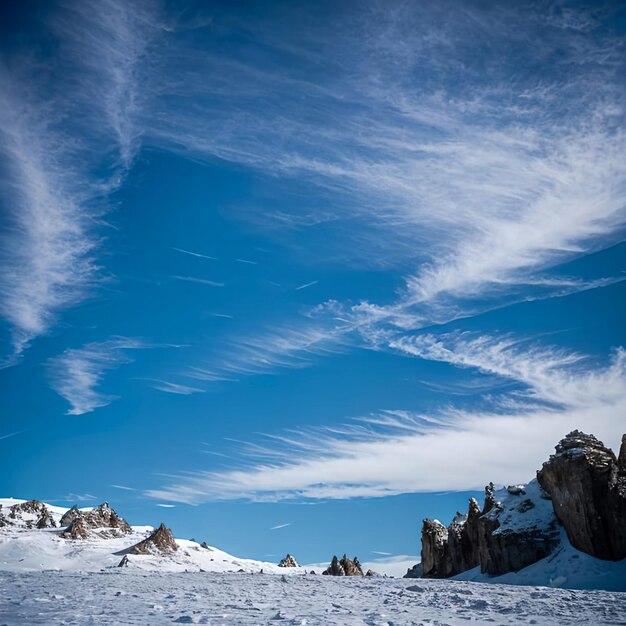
175 388
398 452
476 177
290 347
76 374
67 137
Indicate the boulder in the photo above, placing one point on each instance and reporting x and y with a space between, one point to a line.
587 484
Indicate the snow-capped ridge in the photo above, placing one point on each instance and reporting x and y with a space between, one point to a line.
94 538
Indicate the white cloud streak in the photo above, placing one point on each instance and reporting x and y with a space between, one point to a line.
201 281
62 118
398 452
175 388
76 374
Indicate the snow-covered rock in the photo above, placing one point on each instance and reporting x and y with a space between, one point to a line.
517 536
288 561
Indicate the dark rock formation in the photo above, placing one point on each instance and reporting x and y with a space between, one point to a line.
124 562
25 511
76 530
502 538
343 567
621 459
587 484
103 516
288 561
160 542
351 567
45 519
30 506
463 536
371 572
436 561
334 569
583 486
102 519
69 516
414 572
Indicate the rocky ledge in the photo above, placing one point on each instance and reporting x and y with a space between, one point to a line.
582 487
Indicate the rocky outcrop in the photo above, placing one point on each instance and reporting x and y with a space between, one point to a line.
515 528
76 530
32 513
352 567
158 543
582 486
288 561
102 520
587 484
45 519
463 539
414 572
69 516
334 569
344 567
436 561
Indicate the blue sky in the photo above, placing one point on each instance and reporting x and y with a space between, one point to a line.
293 276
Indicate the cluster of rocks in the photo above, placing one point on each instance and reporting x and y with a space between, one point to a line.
101 519
288 561
582 487
37 515
344 567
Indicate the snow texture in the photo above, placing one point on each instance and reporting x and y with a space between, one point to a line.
121 596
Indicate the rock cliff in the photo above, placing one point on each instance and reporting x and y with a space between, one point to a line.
587 484
582 487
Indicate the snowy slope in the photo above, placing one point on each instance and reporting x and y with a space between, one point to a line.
566 568
24 549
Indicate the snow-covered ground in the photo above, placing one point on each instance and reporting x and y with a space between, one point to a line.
48 579
123 596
